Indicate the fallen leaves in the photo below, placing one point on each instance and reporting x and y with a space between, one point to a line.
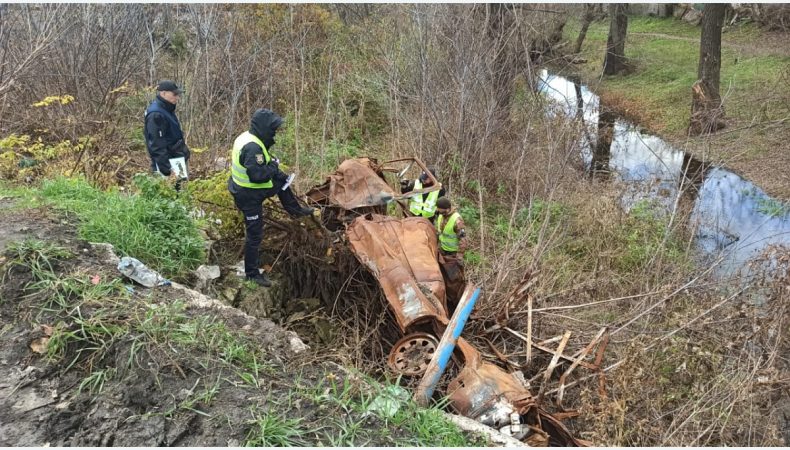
39 345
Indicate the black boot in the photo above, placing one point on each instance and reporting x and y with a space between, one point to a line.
260 280
303 211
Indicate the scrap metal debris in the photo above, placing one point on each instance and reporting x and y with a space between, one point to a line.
401 253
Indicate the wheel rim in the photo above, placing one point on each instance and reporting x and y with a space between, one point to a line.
410 355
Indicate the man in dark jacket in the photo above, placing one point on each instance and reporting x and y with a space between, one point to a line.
163 135
256 176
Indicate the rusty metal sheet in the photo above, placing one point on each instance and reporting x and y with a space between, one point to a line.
355 184
480 391
401 254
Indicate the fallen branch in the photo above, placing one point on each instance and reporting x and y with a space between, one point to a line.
674 293
569 385
541 346
529 329
579 359
552 365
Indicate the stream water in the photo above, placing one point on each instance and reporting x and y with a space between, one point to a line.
733 220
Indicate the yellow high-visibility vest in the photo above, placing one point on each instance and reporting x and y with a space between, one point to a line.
237 170
423 204
448 238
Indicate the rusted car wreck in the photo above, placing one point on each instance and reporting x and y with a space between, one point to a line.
401 253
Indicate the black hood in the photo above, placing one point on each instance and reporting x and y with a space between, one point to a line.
264 125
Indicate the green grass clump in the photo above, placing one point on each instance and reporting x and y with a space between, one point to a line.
643 235
152 225
36 255
348 403
271 430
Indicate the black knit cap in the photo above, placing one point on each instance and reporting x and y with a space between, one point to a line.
443 203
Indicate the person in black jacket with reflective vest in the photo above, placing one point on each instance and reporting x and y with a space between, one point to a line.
256 176
163 136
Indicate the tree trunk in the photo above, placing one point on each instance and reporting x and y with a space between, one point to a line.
614 61
599 11
587 18
706 108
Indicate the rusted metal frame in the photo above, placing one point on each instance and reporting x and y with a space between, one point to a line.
579 359
554 360
436 184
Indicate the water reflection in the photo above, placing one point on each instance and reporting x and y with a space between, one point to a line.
732 218
599 162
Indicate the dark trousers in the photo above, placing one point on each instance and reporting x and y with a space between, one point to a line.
250 203
452 268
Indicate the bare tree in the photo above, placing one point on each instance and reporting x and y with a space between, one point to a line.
587 17
706 107
614 62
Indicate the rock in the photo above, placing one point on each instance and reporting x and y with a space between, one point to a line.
264 302
205 274
229 295
296 344
220 164
238 269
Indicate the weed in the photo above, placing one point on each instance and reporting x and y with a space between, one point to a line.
772 207
151 226
95 381
270 430
170 324
194 399
37 256
349 430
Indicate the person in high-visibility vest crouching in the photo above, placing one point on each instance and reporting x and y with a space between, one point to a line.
256 176
452 245
423 205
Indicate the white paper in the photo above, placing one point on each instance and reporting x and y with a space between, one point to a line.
288 182
179 167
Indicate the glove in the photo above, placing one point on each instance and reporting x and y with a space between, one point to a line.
280 177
